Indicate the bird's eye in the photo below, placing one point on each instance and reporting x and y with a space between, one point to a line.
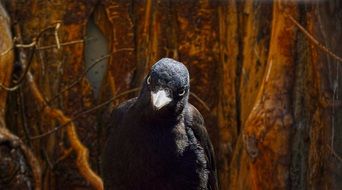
149 80
182 92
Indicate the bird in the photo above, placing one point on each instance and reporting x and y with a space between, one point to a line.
158 140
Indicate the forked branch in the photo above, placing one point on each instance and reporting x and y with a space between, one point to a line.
54 113
77 146
313 39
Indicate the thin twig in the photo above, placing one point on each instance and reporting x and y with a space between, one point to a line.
122 49
61 44
54 113
334 153
66 153
22 77
79 79
32 45
6 51
107 102
56 35
47 158
23 116
81 151
85 112
200 101
313 39
9 88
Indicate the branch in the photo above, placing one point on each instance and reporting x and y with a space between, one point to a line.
79 79
334 153
85 112
22 77
200 101
35 47
61 44
313 39
6 51
54 113
77 146
32 45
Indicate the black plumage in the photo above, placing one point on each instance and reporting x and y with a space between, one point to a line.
158 140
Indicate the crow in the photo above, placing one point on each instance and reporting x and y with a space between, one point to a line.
158 140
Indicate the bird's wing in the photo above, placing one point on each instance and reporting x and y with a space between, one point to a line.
200 132
118 113
113 124
120 110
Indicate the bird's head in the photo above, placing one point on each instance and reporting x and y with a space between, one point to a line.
167 86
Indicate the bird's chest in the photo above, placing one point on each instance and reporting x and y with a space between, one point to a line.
166 156
159 147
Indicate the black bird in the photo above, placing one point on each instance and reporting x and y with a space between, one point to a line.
158 140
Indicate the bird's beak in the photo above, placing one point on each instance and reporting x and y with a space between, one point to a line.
160 99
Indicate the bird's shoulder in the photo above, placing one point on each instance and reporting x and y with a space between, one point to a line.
121 110
124 106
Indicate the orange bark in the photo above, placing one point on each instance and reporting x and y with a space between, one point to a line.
256 25
226 106
57 62
198 48
267 130
144 38
114 18
78 147
324 150
6 60
6 66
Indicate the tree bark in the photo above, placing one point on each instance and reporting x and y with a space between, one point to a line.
267 131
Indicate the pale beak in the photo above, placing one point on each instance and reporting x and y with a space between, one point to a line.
160 99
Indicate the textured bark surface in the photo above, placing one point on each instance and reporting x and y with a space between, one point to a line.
18 166
226 111
57 63
115 20
268 90
324 151
6 60
255 24
267 130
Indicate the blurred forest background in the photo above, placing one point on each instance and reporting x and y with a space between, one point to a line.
264 74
